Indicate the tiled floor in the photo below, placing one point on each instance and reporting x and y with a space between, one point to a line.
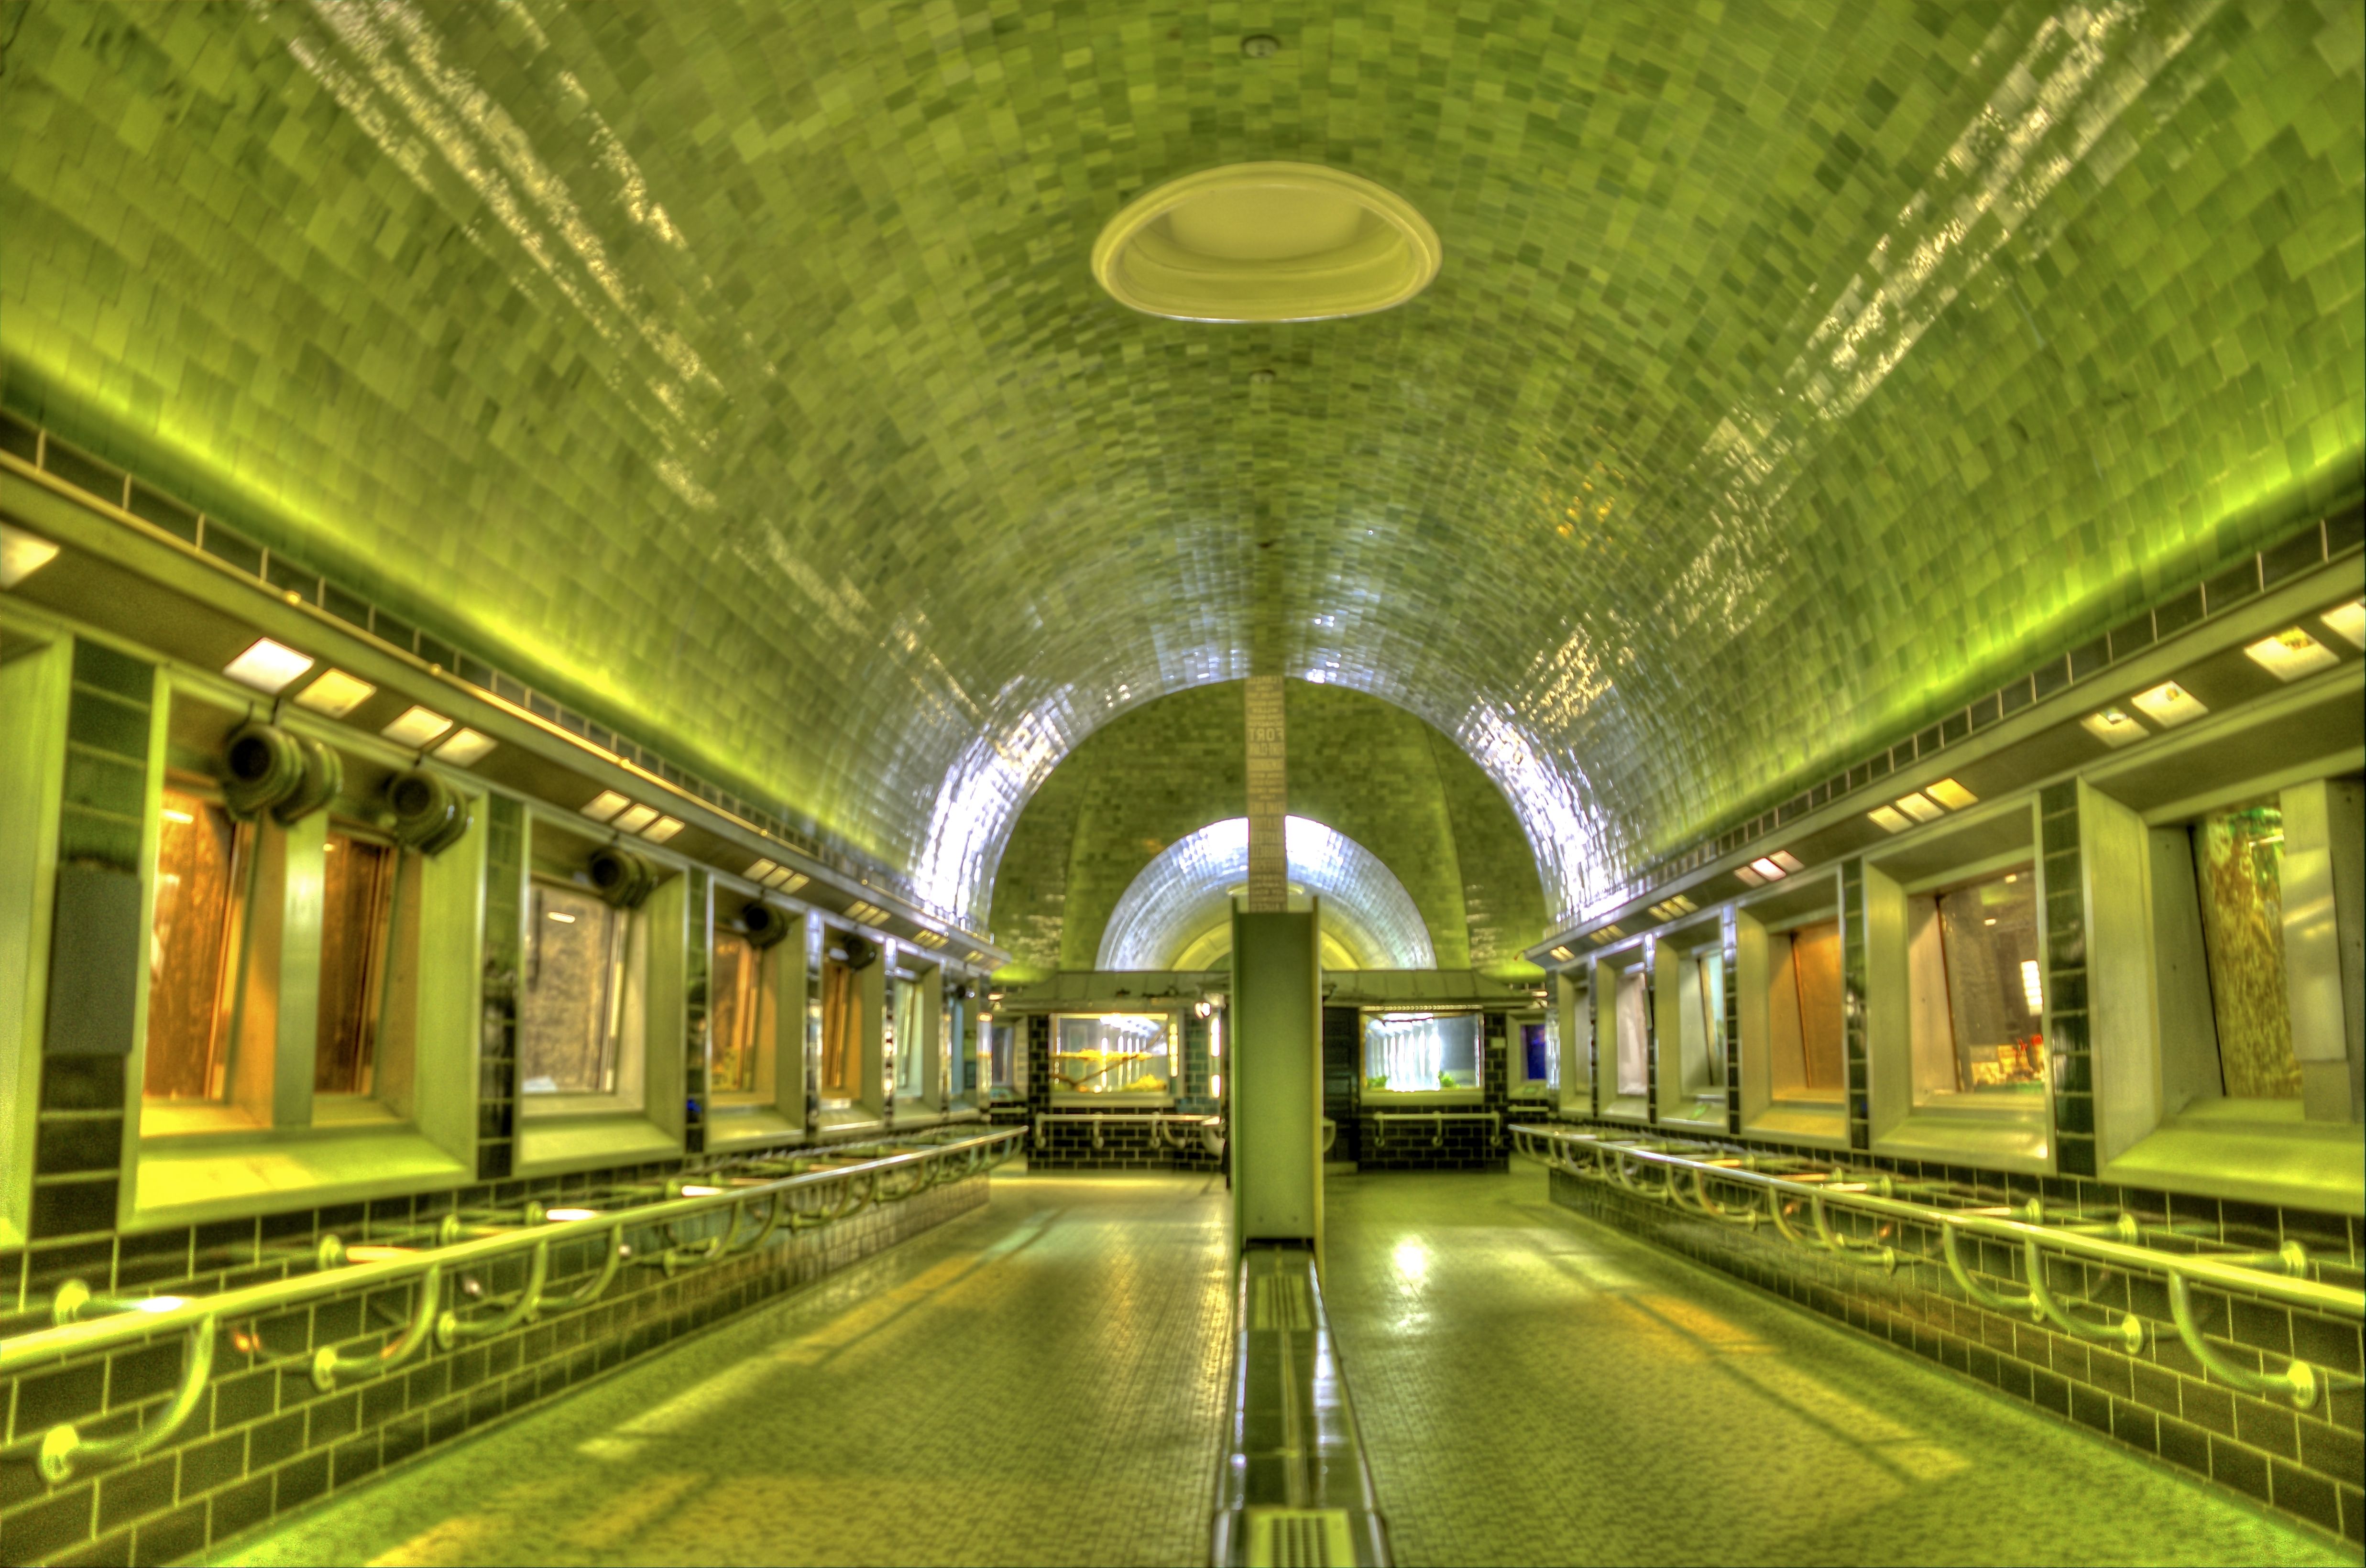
1044 1382
1534 1388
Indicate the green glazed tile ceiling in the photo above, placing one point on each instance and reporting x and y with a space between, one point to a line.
1149 779
737 367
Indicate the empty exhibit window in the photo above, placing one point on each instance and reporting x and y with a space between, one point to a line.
909 1041
1111 1053
1976 992
1700 1020
960 1031
570 1006
357 891
1006 1068
1630 1008
202 858
1804 1009
735 1015
1411 1052
1536 1052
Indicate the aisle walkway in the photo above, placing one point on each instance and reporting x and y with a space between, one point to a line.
1043 1381
1536 1388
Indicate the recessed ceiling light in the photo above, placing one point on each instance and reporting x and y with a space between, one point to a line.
2291 654
1921 807
1268 242
335 693
660 829
2168 705
267 666
786 881
1950 795
1765 866
633 818
1788 861
759 870
1890 819
1563 954
2114 727
22 554
416 727
1749 878
2347 622
606 804
466 748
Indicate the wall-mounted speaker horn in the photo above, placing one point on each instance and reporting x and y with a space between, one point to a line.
430 814
622 878
324 775
265 765
860 955
767 925
961 993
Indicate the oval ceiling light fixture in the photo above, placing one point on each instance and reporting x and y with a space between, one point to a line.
1266 242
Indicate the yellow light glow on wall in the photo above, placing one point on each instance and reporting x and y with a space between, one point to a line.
1921 807
605 805
335 694
465 749
22 554
2114 727
2291 654
267 666
416 727
2168 705
1950 795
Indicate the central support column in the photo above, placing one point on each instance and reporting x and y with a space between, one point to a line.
1277 1013
1268 782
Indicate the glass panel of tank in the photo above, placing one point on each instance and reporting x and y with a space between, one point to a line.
201 874
1409 1052
1112 1053
568 1006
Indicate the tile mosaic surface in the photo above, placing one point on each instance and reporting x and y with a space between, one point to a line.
738 367
1364 768
1043 1381
1531 1387
1534 1387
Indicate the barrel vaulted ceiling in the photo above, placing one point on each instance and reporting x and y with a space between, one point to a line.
737 367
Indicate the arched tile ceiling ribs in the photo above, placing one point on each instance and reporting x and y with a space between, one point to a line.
1177 897
738 367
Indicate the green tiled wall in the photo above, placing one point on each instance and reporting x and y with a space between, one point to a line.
737 367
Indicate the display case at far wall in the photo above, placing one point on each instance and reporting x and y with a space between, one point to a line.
1433 1054
1005 1057
1115 1056
1534 1056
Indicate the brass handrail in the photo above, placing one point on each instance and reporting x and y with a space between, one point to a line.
2281 1276
86 1323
